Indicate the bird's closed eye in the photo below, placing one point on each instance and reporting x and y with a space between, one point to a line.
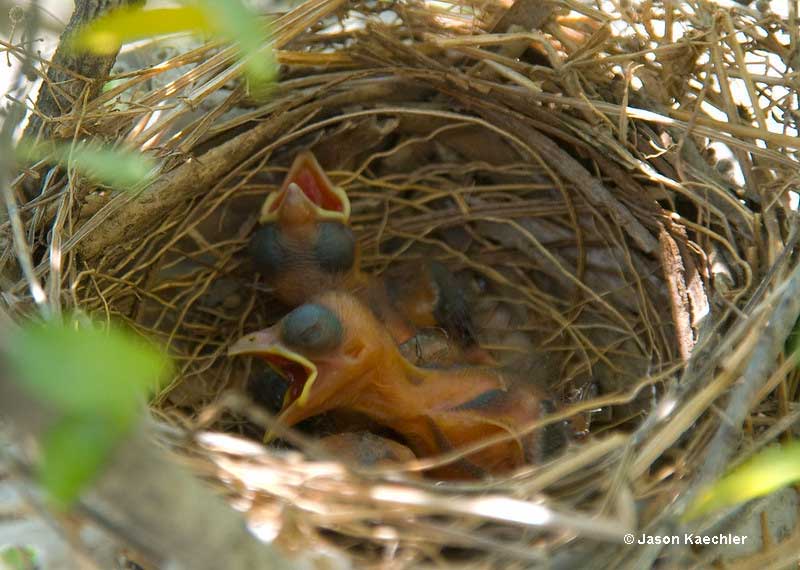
267 250
335 247
312 327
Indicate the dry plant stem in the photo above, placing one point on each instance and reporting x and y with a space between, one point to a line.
774 432
529 14
505 509
69 72
21 248
705 126
713 349
406 116
160 507
777 267
781 555
133 213
572 463
571 169
15 113
690 410
674 272
128 215
768 345
152 504
785 312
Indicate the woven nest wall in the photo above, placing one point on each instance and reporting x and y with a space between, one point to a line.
570 177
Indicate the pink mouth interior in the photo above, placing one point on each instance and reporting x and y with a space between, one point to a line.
295 373
315 189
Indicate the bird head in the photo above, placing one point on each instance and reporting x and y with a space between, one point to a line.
306 194
304 243
328 351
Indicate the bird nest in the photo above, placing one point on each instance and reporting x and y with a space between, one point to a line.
610 189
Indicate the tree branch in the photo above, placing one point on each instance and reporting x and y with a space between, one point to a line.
146 499
70 73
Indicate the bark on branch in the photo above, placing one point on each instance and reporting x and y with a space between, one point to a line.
145 498
70 74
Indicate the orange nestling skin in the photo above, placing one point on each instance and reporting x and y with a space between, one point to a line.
305 246
337 356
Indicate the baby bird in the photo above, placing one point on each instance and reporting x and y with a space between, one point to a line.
335 355
305 246
363 448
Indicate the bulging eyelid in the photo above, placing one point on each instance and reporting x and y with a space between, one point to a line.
335 248
267 250
312 327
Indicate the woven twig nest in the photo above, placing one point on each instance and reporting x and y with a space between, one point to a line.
569 176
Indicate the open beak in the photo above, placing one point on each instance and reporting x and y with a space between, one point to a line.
307 187
299 372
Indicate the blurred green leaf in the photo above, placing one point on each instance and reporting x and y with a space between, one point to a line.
18 558
109 85
114 167
230 19
73 452
84 370
96 382
770 470
106 34
239 24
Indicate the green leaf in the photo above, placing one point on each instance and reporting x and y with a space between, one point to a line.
233 20
230 19
73 452
95 382
114 167
109 85
84 370
18 558
106 34
770 470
